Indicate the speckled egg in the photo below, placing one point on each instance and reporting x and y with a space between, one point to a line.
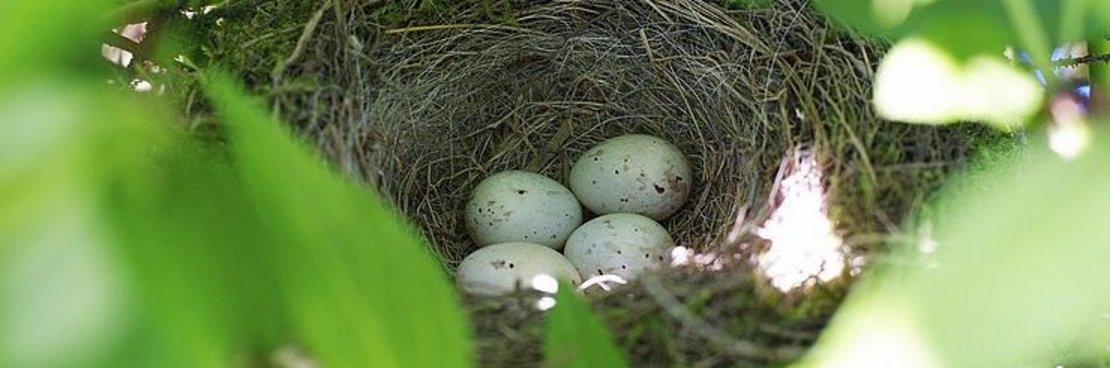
621 244
499 269
632 174
520 206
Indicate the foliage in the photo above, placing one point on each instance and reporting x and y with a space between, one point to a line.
576 338
124 241
968 28
361 287
1018 292
1003 273
948 65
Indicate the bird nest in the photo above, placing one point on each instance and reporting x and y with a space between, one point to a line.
424 102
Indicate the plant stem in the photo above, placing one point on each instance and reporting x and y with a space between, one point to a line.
1091 58
1099 76
1031 34
138 51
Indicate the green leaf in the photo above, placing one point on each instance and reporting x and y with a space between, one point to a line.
919 82
877 17
199 255
72 295
966 29
576 338
71 42
64 298
362 288
1016 273
969 28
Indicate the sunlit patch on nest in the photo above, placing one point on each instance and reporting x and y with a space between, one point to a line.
686 257
803 246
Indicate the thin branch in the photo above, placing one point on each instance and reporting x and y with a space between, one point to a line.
1099 75
306 34
137 50
1089 59
278 73
155 13
459 26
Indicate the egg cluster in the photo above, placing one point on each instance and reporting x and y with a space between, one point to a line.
521 220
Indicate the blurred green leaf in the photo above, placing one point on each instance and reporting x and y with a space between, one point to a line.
919 82
576 338
64 298
40 36
1018 270
69 288
878 17
71 291
200 259
362 287
965 29
969 28
1079 19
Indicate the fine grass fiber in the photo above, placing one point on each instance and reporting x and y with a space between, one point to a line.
422 100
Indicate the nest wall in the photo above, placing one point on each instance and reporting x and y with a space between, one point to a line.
423 102
427 105
459 99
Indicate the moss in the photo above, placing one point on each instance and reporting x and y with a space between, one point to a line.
254 37
390 14
499 10
746 4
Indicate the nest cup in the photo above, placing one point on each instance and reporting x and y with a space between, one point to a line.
425 108
463 98
463 103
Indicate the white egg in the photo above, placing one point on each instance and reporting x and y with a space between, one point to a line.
499 269
520 206
632 174
621 244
